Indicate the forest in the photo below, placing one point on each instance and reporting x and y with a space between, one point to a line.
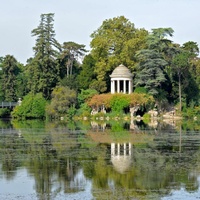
67 79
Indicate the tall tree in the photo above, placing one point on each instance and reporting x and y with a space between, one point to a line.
180 63
10 71
87 75
71 52
192 48
152 63
115 42
42 69
150 73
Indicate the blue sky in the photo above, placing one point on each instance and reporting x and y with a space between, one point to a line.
75 20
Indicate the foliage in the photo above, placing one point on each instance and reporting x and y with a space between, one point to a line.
140 90
41 70
10 71
144 100
84 110
180 64
98 100
191 111
114 42
70 53
32 106
98 85
62 99
86 95
87 74
150 71
119 102
4 112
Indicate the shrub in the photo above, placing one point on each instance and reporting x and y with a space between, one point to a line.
62 99
118 102
32 106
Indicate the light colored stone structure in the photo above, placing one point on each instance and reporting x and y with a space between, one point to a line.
121 80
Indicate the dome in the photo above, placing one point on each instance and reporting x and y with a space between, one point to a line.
121 71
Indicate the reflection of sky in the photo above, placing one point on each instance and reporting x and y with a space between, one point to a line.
87 187
20 186
182 194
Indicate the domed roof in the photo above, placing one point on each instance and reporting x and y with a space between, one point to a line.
121 71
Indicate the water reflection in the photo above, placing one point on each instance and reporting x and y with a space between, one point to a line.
104 161
121 156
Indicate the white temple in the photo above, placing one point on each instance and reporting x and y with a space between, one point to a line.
121 80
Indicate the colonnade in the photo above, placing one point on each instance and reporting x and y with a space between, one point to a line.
120 149
121 85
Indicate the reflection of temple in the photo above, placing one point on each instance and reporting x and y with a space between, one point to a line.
121 156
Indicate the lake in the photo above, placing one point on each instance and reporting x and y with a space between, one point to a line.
93 160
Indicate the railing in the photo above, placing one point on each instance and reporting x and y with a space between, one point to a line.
4 104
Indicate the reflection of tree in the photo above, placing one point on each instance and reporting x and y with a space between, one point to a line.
157 166
55 158
11 154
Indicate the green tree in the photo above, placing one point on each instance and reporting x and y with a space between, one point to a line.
71 53
21 82
114 42
69 64
150 73
87 74
42 69
63 98
32 106
10 71
192 48
180 64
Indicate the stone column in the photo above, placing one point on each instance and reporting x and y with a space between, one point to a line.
112 87
118 86
124 87
129 86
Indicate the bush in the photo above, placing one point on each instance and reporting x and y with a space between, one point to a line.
119 102
62 99
32 106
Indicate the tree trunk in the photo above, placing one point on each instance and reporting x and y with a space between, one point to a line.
179 90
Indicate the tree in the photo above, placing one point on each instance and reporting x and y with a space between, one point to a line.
150 73
63 98
113 43
42 71
180 64
87 74
192 48
10 71
71 52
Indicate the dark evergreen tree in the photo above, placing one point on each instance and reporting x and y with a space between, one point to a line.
150 73
10 71
87 74
42 68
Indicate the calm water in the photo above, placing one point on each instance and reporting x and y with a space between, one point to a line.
120 161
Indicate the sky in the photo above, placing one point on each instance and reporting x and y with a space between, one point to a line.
76 20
